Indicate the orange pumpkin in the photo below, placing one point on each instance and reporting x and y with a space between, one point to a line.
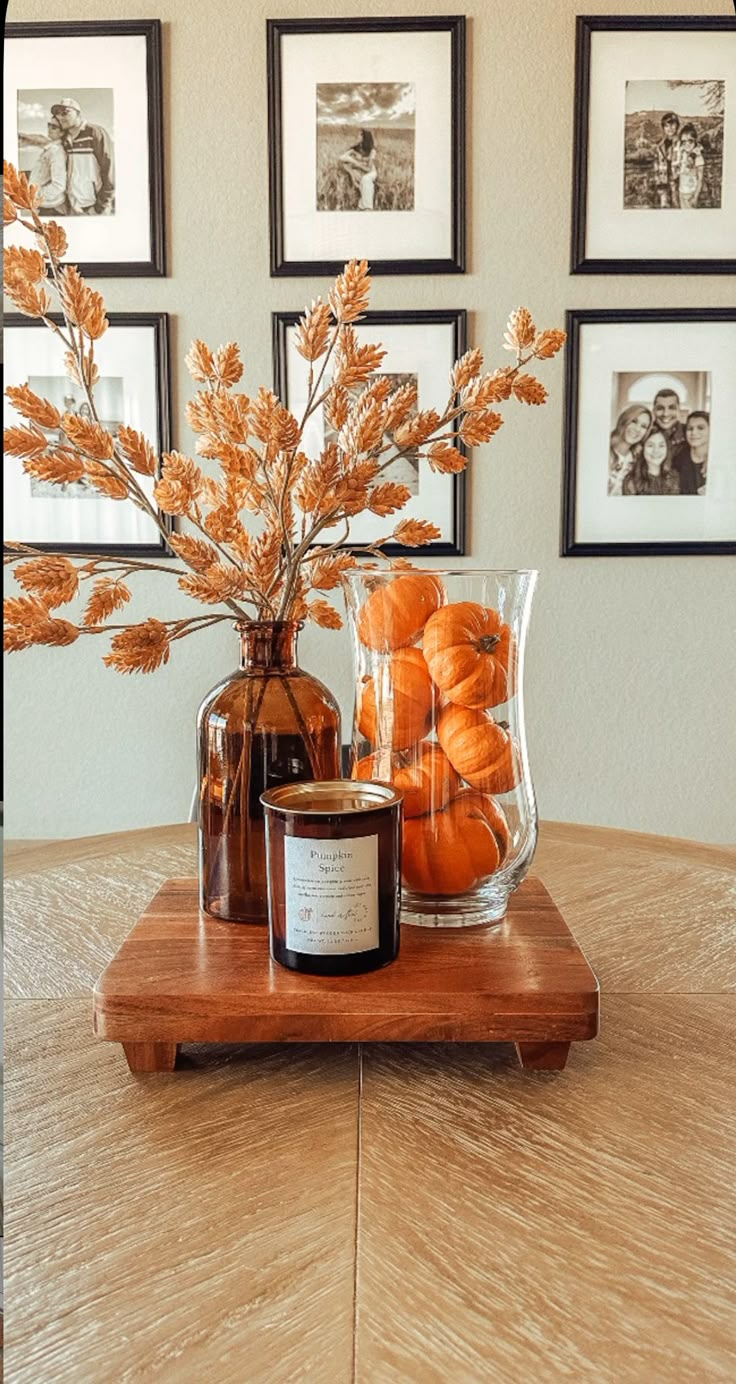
499 826
428 782
396 612
455 850
471 654
397 703
424 775
372 769
481 749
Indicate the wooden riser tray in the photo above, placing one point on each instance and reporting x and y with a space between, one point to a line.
181 977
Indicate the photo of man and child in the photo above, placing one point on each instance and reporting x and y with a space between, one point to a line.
65 146
659 441
673 147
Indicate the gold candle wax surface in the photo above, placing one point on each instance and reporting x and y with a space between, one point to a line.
334 875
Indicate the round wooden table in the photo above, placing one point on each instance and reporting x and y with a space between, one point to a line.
421 1212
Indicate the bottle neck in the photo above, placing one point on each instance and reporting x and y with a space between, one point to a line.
268 645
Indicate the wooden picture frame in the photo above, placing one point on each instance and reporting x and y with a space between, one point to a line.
425 343
632 193
622 363
403 181
114 218
134 378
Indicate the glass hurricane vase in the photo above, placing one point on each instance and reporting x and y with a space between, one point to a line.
439 712
266 724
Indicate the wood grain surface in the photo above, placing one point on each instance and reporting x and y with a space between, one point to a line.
181 976
651 913
508 1226
193 1227
64 923
545 1228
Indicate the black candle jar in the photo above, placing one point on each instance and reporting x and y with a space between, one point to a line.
334 875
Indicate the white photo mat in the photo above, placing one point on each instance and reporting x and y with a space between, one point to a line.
615 232
608 348
128 353
426 350
420 58
117 62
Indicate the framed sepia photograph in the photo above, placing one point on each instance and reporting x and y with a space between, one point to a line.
133 388
366 130
654 175
83 121
421 348
650 433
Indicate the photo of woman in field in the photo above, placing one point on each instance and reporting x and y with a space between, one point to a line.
365 146
360 164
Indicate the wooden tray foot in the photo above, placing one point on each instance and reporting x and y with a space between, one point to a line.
150 1057
542 1057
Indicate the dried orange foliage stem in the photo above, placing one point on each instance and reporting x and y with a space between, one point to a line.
261 525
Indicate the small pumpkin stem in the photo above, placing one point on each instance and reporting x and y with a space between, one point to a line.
504 725
488 642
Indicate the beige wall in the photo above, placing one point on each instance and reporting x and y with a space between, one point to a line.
630 672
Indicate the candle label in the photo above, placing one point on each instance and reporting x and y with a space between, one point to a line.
331 895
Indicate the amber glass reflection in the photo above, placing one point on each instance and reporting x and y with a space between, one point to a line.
268 723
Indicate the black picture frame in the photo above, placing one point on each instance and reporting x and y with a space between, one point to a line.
576 319
159 322
457 318
276 31
586 27
151 30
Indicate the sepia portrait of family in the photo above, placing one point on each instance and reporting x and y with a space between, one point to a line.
365 146
673 150
65 145
661 433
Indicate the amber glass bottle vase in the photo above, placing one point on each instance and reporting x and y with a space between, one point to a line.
266 724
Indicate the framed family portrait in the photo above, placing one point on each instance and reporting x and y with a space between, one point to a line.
133 388
366 130
654 176
650 432
82 118
421 348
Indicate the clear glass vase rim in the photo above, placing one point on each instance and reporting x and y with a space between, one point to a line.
371 572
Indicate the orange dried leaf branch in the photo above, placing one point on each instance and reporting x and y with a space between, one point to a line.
108 595
258 519
139 648
53 579
414 533
31 406
529 390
